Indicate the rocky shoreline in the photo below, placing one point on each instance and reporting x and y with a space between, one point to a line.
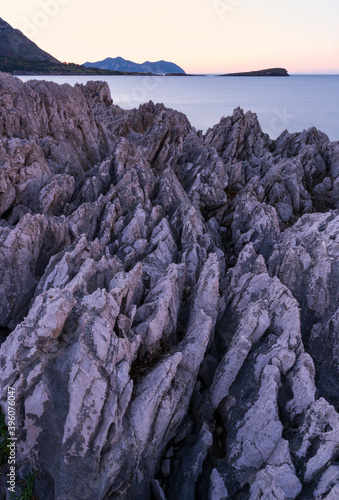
168 301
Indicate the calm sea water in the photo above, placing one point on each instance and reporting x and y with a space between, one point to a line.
294 103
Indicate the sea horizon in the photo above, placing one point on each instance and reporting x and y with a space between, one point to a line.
281 103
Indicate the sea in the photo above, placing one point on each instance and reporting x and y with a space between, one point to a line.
290 103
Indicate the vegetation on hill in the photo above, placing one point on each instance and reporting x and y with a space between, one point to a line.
24 66
13 43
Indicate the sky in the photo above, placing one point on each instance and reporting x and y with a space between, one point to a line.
201 36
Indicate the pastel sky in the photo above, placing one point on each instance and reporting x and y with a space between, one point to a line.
207 36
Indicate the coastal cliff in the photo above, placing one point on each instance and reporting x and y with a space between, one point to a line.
168 301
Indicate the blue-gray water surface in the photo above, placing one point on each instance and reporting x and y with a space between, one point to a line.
295 103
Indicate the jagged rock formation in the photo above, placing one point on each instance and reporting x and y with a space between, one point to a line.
169 301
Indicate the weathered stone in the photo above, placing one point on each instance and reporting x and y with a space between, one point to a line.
158 316
255 223
23 173
145 368
218 490
305 260
56 193
328 485
24 254
320 430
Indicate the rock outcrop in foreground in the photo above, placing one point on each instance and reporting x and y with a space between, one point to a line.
168 301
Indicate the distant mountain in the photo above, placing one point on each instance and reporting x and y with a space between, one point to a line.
120 64
20 56
13 43
262 72
31 66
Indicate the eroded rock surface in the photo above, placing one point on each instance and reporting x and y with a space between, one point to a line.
169 301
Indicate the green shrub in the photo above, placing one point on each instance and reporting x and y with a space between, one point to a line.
4 450
27 486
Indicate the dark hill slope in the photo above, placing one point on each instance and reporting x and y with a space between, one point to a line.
13 43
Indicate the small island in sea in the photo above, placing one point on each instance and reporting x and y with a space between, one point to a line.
262 72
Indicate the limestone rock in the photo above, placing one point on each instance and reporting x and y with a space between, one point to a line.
256 223
218 490
168 300
25 251
306 261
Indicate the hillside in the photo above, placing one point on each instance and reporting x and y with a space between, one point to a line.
121 64
13 43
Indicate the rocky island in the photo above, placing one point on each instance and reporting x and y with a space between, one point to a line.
262 72
168 301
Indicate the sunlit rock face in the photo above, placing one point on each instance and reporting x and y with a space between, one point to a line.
169 301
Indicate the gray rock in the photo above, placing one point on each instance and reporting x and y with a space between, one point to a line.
266 487
306 261
218 490
56 193
157 318
157 490
24 171
143 366
24 253
255 223
320 429
328 485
